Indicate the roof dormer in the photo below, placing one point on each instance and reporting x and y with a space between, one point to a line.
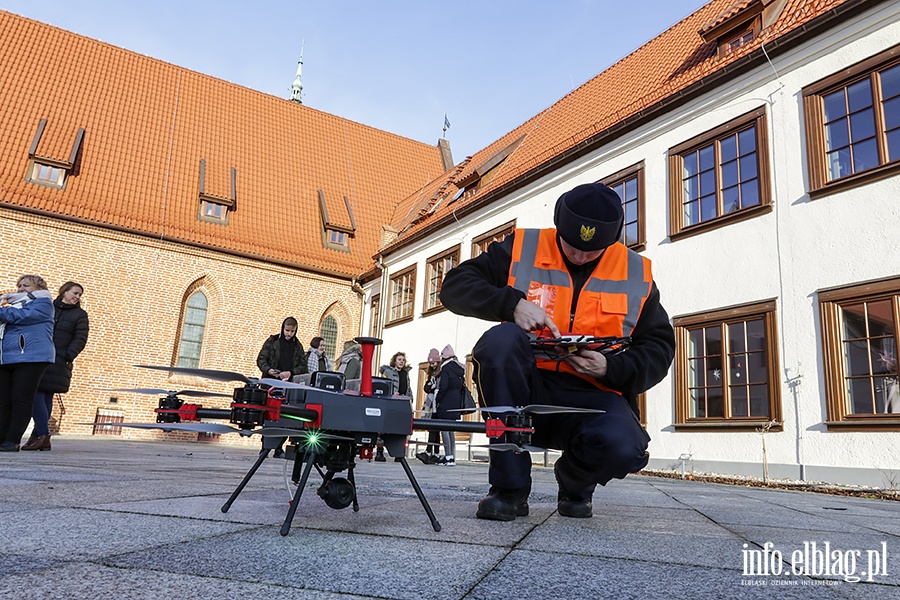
741 23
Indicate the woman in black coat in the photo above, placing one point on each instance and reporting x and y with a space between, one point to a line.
449 397
70 333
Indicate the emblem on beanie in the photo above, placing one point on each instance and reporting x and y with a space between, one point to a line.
587 233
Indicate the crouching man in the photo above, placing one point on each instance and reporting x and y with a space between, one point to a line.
575 278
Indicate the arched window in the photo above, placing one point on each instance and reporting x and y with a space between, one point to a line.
329 331
192 331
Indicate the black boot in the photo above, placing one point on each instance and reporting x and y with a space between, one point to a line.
38 442
504 505
576 505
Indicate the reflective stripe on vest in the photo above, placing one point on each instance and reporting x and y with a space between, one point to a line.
524 269
635 288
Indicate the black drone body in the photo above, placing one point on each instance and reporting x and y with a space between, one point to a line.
328 424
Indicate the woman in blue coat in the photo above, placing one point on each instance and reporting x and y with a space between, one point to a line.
26 350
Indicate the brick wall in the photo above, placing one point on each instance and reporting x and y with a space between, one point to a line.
134 291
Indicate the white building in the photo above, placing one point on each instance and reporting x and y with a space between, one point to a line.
756 145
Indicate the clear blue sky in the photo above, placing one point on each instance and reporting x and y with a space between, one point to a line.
398 65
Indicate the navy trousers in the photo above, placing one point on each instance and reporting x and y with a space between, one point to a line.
595 447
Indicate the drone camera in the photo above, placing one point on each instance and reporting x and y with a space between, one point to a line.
337 493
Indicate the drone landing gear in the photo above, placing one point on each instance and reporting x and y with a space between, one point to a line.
259 461
338 492
412 479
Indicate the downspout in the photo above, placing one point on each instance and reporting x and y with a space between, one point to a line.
354 285
382 302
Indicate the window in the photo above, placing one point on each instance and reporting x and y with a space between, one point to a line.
481 243
403 291
337 238
374 315
859 336
629 185
726 368
47 175
212 211
328 330
192 331
736 41
719 177
435 270
853 125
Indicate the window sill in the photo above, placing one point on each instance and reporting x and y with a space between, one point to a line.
735 217
734 425
400 321
886 423
856 180
434 311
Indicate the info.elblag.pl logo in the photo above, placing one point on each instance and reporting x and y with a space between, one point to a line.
816 560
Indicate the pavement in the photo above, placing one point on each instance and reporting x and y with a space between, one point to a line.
110 518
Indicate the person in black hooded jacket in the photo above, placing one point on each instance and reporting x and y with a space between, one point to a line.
282 355
70 334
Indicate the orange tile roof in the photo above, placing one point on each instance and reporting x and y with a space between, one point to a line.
639 86
149 123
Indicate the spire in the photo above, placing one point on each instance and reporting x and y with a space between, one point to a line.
297 86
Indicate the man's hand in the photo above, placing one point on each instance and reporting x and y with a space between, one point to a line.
531 317
274 372
284 375
588 362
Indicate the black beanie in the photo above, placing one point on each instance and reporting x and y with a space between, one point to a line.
589 217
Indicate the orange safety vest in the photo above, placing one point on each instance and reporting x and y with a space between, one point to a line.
609 303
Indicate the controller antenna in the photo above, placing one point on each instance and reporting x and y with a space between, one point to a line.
368 349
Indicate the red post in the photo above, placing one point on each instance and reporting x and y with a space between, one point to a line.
368 349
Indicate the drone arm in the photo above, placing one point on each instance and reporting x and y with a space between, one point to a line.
493 428
213 413
447 425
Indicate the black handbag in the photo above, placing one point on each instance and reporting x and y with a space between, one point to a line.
469 405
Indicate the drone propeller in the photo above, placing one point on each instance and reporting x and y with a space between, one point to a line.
159 391
509 447
167 427
220 428
224 376
535 409
278 383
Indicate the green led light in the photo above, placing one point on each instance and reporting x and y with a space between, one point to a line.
296 418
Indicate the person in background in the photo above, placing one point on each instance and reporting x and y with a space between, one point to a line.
398 372
26 350
449 398
432 380
70 335
282 355
316 360
350 362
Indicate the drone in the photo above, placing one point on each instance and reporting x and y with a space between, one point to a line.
328 424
